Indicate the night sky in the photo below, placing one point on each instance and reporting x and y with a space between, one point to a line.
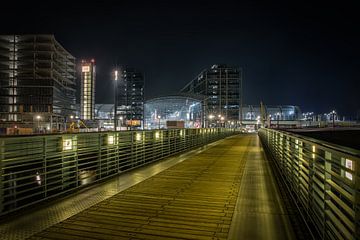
306 55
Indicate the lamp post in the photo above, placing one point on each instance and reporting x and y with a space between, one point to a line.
222 121
116 77
211 117
159 117
121 121
333 117
218 122
38 117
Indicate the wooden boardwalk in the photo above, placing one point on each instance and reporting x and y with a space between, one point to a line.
195 199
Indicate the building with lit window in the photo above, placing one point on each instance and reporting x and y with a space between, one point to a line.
37 83
130 98
221 86
87 96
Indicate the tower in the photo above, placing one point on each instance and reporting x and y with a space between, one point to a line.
87 98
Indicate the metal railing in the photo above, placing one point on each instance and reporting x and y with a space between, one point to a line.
36 168
323 179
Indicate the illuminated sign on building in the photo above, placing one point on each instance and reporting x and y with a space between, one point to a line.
85 68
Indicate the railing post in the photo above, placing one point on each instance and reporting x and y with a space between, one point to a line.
2 157
45 165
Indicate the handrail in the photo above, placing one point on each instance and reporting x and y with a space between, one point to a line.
37 168
323 177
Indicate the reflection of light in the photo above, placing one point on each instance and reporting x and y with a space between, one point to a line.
157 135
38 178
87 176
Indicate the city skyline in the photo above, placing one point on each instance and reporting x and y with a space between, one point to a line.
296 55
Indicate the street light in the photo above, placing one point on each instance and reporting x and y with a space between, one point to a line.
121 121
333 117
38 117
159 117
222 121
116 77
211 117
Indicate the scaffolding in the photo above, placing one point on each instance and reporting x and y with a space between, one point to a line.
37 80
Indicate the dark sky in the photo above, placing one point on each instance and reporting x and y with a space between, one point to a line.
305 54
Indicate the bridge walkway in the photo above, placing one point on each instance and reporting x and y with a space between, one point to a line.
226 191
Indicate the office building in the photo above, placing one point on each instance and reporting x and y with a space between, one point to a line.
37 82
87 96
130 98
221 86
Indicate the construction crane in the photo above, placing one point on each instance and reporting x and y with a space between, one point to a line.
75 125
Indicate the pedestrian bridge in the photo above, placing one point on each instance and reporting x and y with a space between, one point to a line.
227 189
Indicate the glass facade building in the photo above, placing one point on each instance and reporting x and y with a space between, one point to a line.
130 98
159 111
221 86
87 96
37 82
282 113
